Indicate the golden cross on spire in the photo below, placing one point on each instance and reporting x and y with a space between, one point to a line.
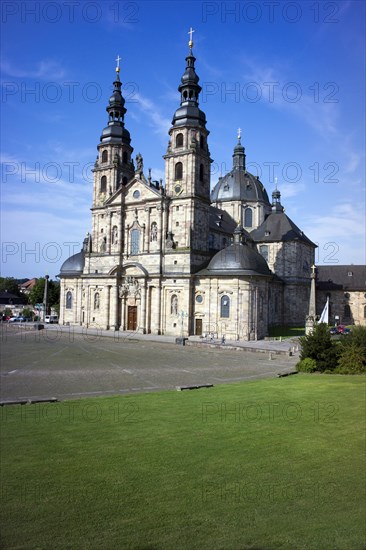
276 182
239 133
118 59
190 32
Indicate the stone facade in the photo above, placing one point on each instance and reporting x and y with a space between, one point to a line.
345 286
177 258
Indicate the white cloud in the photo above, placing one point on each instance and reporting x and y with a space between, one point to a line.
280 91
159 122
339 232
43 70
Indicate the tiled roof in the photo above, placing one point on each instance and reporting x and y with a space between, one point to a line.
278 227
341 277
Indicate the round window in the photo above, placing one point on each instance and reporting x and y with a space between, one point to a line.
199 298
136 194
177 189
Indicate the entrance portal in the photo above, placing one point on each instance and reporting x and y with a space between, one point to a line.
198 330
132 318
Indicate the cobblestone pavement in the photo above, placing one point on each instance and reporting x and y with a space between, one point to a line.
69 362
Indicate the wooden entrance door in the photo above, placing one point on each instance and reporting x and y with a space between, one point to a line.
132 318
198 327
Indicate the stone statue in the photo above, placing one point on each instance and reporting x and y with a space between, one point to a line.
154 232
115 235
103 246
174 305
139 163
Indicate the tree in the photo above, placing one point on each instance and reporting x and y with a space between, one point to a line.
10 284
28 313
37 293
352 352
319 346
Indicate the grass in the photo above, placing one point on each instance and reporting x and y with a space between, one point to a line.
286 332
268 464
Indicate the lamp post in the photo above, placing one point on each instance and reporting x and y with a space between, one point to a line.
45 297
182 315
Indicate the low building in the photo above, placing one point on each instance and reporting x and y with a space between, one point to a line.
345 286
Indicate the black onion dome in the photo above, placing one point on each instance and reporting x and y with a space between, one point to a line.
74 265
189 113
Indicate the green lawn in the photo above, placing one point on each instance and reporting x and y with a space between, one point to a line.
286 332
269 464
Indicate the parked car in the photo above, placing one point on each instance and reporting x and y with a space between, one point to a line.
17 320
51 319
340 329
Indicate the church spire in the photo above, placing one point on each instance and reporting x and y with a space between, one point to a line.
115 132
189 89
239 154
276 200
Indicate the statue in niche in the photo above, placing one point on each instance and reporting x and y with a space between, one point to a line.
103 246
115 235
174 307
154 232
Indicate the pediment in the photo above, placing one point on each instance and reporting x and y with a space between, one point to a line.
135 191
139 191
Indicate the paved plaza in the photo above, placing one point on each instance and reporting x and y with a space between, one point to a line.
69 363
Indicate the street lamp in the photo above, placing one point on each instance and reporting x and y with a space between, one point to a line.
182 316
45 297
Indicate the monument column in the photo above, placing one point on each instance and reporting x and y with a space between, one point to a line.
310 318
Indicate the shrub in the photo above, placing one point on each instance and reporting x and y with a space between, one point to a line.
352 359
319 346
307 365
352 352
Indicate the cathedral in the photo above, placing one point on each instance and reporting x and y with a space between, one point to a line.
176 257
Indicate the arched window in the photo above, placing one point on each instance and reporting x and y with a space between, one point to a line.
347 311
248 217
69 300
174 305
103 184
124 157
124 181
179 171
263 249
225 306
96 300
364 312
179 140
105 156
135 241
202 172
202 142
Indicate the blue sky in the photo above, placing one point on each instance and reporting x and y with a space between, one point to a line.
290 74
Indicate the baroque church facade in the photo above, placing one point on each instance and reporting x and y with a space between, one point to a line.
180 259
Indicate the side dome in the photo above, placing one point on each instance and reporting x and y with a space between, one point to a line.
239 185
238 259
73 265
